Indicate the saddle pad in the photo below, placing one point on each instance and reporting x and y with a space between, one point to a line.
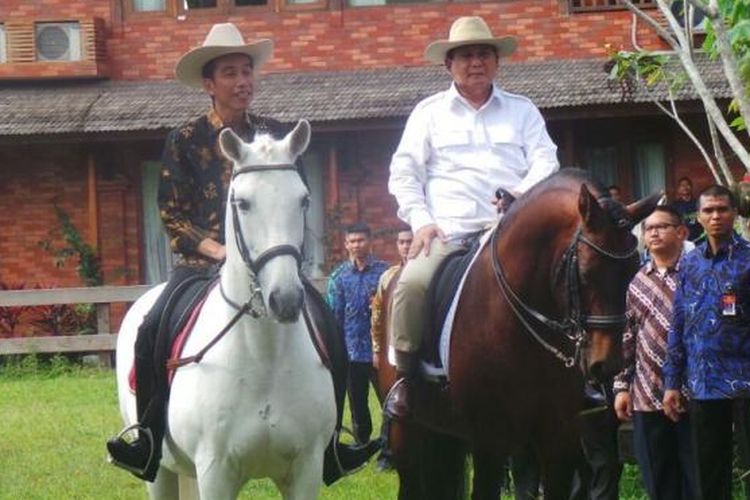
445 336
440 297
431 370
177 315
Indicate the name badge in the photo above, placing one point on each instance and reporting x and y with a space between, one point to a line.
729 302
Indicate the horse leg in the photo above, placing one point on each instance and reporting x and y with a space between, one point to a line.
165 486
488 474
443 468
559 465
188 488
304 479
217 479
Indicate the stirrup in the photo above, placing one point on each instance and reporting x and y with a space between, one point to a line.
339 467
142 432
388 400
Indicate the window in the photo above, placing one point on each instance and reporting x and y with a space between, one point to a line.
602 163
649 169
3 45
199 4
156 252
367 3
229 7
148 5
599 5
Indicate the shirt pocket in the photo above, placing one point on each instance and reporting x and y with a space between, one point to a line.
451 140
507 144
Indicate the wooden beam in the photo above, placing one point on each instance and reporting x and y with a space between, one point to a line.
76 343
93 204
83 295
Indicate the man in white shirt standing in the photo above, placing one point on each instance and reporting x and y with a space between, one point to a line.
459 146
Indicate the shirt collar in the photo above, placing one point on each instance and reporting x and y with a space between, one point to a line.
456 97
725 249
368 263
650 267
217 125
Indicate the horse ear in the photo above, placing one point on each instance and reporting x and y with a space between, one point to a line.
299 138
231 145
592 214
642 208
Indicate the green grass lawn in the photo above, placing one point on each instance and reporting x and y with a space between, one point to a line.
52 433
55 422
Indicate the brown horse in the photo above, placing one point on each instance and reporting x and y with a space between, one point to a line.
545 295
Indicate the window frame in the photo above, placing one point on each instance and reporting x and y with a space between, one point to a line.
129 11
617 5
227 7
3 44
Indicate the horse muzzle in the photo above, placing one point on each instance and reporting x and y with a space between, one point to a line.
285 305
603 356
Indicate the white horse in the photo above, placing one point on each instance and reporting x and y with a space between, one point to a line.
260 403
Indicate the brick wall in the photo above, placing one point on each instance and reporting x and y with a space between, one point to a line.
33 180
146 46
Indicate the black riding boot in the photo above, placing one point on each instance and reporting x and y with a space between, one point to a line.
398 402
141 454
340 459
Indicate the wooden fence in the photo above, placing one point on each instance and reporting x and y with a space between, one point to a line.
104 340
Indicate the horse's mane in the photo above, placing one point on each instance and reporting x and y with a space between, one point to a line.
566 181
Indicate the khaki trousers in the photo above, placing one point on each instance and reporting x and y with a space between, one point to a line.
409 309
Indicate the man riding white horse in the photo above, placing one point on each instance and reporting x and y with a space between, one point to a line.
192 202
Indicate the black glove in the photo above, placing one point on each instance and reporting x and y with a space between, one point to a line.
506 199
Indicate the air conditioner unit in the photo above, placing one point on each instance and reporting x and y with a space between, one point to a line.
3 45
58 41
688 15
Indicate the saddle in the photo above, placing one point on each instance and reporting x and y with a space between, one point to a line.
177 319
440 295
186 301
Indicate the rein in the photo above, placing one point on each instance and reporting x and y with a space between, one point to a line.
574 326
254 265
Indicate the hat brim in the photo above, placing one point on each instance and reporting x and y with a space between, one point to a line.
189 67
436 51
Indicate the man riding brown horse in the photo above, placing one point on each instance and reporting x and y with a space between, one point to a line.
458 147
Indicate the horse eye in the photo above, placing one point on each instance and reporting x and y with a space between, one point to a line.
306 202
241 204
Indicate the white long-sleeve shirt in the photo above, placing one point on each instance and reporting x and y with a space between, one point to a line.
452 157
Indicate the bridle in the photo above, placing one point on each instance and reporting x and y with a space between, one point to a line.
575 324
255 265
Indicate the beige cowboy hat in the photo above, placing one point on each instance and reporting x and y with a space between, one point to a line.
223 39
469 30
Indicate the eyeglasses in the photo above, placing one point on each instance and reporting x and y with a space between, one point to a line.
659 228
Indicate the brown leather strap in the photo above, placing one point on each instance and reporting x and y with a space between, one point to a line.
317 337
173 364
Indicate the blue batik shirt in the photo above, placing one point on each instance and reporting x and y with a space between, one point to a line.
708 351
352 291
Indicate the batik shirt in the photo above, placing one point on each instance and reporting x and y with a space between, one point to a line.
708 351
377 327
353 290
644 342
194 179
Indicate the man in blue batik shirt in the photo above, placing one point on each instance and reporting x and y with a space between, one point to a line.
350 293
709 342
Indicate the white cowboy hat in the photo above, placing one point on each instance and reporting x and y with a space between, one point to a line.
469 30
223 39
